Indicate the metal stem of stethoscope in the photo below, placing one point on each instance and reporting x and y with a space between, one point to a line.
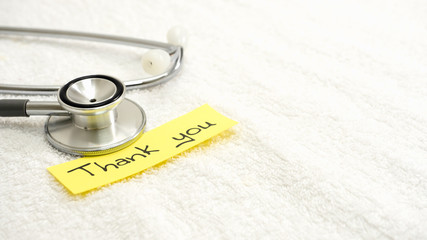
92 115
176 53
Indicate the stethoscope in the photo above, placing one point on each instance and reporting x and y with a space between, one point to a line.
92 115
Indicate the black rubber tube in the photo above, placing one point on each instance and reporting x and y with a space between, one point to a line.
13 107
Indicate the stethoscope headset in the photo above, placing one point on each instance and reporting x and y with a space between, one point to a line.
92 115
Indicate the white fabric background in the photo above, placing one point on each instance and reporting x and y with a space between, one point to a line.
330 97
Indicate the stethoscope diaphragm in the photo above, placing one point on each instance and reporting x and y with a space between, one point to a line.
101 120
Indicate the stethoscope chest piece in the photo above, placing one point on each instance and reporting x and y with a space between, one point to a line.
101 120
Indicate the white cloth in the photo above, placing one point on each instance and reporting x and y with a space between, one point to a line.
330 97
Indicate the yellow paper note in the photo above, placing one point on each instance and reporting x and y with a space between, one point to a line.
153 147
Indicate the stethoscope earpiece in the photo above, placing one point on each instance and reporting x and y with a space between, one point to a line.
156 61
92 115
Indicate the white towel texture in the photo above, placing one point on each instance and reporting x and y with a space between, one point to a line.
330 97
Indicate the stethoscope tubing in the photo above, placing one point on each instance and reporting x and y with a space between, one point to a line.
176 53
